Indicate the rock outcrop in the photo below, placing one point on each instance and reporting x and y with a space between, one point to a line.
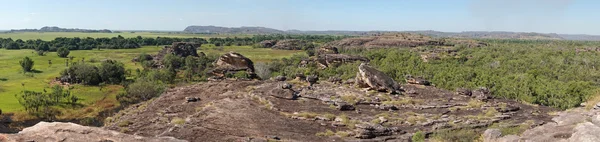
233 62
328 50
69 132
332 60
375 79
253 110
268 43
290 44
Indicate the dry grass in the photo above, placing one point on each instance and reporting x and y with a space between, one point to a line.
178 121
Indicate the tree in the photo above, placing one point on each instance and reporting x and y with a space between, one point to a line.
12 45
42 47
63 52
26 64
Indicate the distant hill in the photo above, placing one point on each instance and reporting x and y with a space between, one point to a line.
226 30
58 29
467 34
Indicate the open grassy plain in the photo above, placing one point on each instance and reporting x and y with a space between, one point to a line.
13 80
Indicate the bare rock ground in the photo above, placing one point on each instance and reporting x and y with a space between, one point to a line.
231 110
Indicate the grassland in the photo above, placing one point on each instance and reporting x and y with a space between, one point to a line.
52 35
13 80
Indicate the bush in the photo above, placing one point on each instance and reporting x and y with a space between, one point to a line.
172 61
141 90
112 72
418 137
63 52
26 64
83 73
40 104
41 52
262 70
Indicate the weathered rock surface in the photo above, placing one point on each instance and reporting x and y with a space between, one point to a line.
233 62
376 80
576 125
69 132
231 110
290 44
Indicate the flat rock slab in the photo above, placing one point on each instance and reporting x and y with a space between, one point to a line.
69 132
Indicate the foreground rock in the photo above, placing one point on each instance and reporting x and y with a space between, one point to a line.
69 132
376 80
576 125
233 62
253 110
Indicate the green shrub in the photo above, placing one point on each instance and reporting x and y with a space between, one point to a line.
112 72
141 90
418 137
63 52
26 64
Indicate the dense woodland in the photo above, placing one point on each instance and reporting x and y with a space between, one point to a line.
120 42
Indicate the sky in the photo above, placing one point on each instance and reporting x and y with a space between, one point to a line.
544 16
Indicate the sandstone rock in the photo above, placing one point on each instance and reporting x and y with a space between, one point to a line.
482 93
69 132
312 79
376 80
332 60
367 131
463 92
335 80
300 77
491 135
286 86
597 106
268 43
280 78
417 80
328 50
350 81
192 99
344 107
585 132
290 44
233 62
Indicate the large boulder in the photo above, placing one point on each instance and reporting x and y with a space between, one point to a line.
184 49
329 60
375 79
69 132
233 62
268 43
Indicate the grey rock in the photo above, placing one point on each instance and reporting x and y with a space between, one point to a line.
70 132
491 135
280 78
586 132
375 79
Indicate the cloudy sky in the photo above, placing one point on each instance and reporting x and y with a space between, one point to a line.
546 16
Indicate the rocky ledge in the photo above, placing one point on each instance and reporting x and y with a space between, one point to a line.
69 132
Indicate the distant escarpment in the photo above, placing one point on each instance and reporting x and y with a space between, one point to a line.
57 29
226 30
